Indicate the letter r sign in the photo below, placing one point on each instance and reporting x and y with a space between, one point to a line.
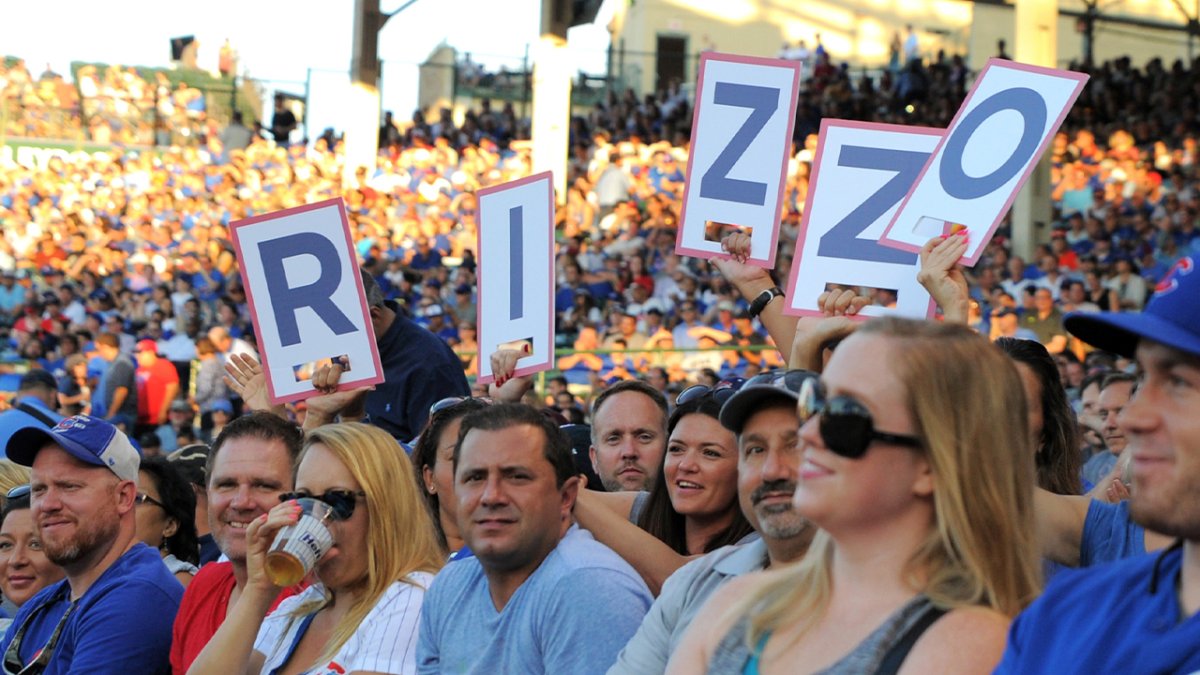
306 297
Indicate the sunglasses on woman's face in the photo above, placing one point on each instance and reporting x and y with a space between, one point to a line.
846 426
340 500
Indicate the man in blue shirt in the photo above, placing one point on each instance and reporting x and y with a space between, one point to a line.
36 403
113 612
1141 614
541 595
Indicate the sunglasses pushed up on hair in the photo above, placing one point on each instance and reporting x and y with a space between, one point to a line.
846 426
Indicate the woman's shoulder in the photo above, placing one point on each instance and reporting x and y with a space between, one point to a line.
965 640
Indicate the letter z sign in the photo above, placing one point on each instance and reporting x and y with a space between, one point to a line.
741 137
306 298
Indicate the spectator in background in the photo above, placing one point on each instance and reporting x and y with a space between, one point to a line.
283 121
35 404
158 385
419 369
166 508
75 390
1115 391
629 435
116 396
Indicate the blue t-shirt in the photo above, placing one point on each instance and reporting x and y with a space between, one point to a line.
572 615
1109 534
122 624
1122 617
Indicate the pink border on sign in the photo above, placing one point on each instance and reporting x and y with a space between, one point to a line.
539 366
794 66
802 234
969 261
362 298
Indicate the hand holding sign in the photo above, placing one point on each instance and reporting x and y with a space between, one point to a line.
741 137
306 297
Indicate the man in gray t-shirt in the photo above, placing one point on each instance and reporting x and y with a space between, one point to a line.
540 595
115 399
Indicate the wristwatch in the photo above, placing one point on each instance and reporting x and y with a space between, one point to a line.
760 303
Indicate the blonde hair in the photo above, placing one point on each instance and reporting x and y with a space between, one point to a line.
12 475
968 406
400 535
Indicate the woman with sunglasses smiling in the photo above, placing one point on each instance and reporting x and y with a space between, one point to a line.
926 549
361 613
24 568
691 509
166 517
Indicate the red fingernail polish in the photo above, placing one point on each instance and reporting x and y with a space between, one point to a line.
963 232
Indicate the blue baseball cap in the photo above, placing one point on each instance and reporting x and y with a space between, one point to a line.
1171 318
86 438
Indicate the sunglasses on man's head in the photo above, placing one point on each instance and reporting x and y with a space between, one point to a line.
340 500
724 391
846 426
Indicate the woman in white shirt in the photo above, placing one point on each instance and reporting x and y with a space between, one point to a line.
361 613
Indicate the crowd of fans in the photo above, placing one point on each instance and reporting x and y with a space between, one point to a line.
104 105
600 522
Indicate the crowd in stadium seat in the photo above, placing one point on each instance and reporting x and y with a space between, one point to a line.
923 482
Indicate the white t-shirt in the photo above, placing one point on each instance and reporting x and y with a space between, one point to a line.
385 642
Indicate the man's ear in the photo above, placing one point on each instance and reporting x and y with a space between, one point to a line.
569 491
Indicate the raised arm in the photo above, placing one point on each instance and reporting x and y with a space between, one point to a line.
606 516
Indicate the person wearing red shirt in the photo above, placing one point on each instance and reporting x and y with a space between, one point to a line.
158 385
251 463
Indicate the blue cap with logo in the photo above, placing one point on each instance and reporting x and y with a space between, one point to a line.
1171 318
86 438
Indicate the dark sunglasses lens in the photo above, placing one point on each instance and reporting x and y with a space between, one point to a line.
811 400
341 502
846 427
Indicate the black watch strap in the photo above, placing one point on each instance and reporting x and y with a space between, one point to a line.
760 303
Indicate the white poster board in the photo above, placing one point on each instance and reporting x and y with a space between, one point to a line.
741 139
989 151
516 272
860 174
306 299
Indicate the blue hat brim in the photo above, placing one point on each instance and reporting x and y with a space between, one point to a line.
1120 332
24 445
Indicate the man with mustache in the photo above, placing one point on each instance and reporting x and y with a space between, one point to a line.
764 418
113 612
629 435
